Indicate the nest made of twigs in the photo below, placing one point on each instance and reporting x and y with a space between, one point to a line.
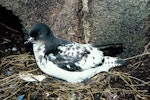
127 82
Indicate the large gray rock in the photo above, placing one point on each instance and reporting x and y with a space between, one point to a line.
101 21
113 21
61 15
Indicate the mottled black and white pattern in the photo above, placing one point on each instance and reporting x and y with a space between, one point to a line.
76 57
67 60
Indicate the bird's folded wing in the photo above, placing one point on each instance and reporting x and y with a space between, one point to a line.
67 56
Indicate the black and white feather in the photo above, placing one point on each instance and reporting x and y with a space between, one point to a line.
70 61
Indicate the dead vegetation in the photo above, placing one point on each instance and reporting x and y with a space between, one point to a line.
127 82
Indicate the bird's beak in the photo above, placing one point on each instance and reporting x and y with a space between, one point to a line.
30 40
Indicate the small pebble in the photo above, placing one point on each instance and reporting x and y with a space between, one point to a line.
14 49
12 86
20 97
6 50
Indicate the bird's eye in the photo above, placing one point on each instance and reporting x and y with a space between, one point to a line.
39 33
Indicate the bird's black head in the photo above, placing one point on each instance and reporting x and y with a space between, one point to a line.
41 32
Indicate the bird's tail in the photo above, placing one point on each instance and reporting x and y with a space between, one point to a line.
110 49
114 61
110 62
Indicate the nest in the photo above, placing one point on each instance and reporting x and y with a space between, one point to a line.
128 82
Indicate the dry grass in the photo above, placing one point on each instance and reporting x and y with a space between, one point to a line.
120 84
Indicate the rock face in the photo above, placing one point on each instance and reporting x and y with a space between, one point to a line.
60 15
101 21
119 21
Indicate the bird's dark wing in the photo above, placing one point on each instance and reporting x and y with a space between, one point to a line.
66 56
110 49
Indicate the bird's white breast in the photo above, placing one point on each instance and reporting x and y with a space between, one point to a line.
38 49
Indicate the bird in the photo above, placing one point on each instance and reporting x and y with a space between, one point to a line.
71 61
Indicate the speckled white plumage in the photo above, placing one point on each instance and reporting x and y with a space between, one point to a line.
52 69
